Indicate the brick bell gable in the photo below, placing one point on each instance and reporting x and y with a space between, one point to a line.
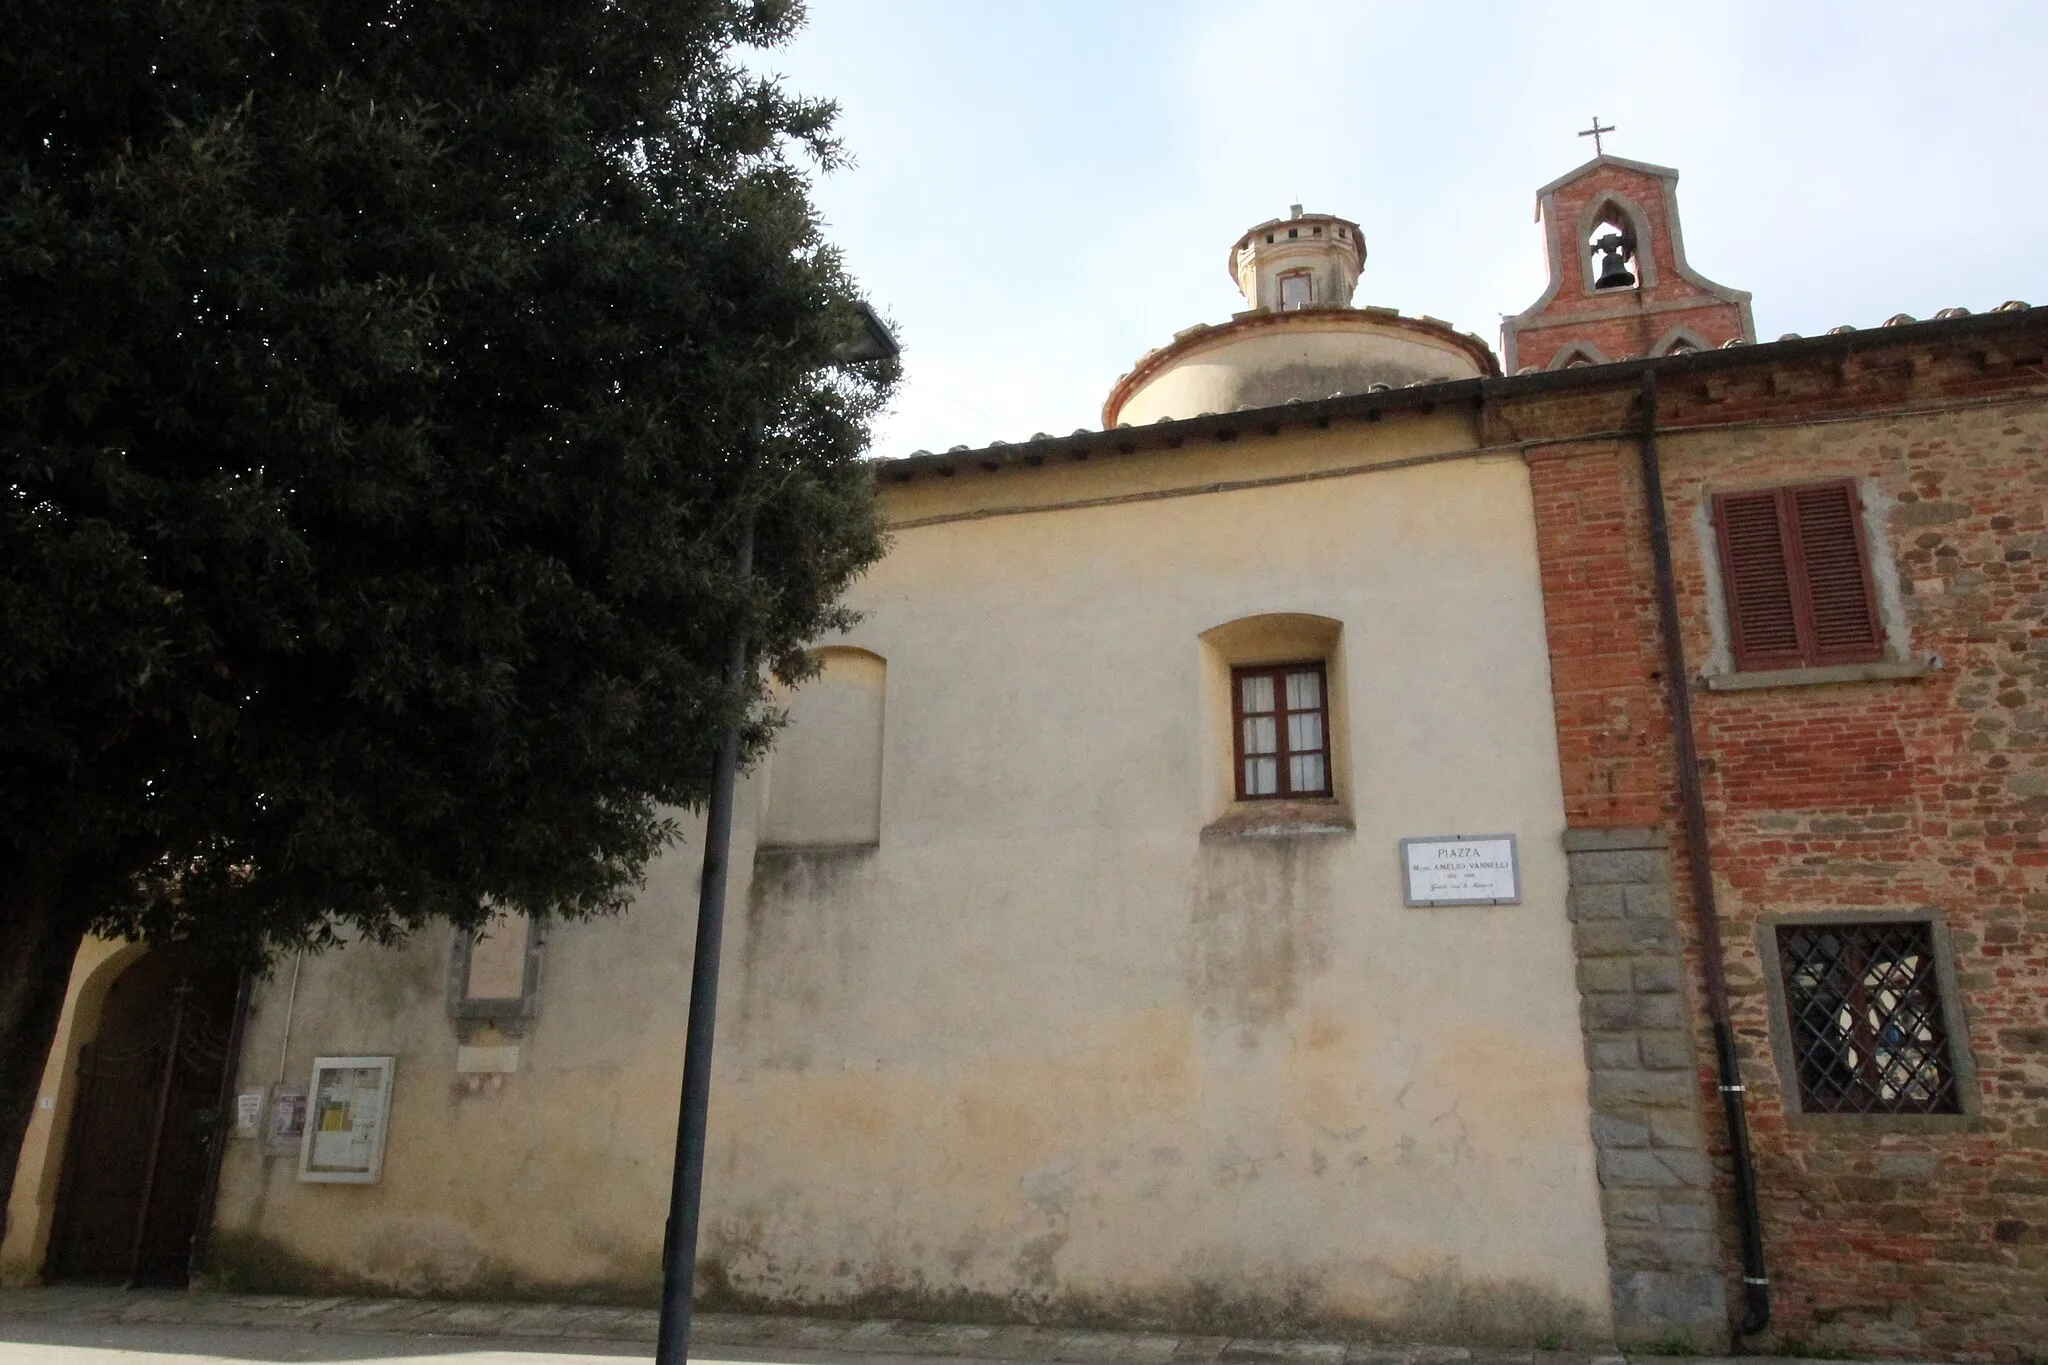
1670 304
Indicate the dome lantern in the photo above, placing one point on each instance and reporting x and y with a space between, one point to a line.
1305 260
1300 341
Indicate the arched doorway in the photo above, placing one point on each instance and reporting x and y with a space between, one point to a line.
140 1156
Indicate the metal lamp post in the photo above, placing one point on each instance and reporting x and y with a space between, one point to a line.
686 1186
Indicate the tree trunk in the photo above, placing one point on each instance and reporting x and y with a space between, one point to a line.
39 937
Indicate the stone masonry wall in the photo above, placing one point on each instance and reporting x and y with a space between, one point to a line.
1922 796
1656 1186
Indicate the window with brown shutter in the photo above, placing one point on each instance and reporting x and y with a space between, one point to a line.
1798 577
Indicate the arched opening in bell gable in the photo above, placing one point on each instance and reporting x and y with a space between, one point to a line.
1611 249
1613 245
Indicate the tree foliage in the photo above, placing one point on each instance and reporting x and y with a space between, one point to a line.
382 384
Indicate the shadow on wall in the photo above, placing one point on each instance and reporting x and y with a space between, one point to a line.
1439 1304
241 1262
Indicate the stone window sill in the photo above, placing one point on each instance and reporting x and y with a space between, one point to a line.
1280 820
1871 1125
1888 670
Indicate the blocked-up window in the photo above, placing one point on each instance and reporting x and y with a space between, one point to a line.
1297 290
825 775
1797 575
1866 1022
498 960
494 970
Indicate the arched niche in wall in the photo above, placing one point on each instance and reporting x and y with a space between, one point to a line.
1680 340
825 772
1576 354
1253 642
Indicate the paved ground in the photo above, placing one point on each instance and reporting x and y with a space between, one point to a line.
79 1326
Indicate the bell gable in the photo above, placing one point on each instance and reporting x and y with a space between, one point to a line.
1620 286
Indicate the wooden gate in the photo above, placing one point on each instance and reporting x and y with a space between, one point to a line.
146 1127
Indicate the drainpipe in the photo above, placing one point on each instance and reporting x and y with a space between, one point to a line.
1756 1284
291 1004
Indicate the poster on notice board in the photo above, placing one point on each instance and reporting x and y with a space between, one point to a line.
347 1105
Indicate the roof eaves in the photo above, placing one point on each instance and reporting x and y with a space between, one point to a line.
1176 433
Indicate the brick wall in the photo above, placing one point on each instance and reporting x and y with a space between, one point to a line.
1922 1235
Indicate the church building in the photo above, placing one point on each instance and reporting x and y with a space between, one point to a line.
1383 837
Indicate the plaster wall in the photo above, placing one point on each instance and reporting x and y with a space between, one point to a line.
548 1179
1303 356
1060 1043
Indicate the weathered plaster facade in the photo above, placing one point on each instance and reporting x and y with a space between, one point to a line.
1065 1039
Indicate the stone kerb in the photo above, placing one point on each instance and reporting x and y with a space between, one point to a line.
1656 1182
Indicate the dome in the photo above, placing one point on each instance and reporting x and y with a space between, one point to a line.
1301 339
1260 360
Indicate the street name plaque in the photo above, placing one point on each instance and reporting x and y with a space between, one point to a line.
1461 869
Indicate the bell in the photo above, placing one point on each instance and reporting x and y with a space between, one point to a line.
1614 273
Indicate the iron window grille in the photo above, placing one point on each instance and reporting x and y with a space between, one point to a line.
1280 713
1866 1016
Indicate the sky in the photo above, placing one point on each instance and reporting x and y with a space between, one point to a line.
1040 191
